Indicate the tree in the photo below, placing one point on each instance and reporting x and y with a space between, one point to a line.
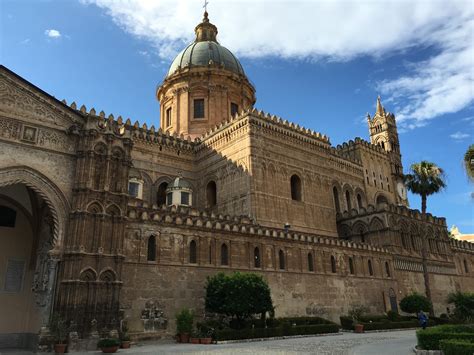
469 162
238 295
425 178
464 305
414 303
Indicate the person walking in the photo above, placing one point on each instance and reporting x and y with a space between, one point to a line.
423 319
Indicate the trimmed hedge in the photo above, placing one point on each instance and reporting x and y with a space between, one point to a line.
456 347
429 339
346 322
390 325
232 334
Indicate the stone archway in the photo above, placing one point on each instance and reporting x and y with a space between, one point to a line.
29 258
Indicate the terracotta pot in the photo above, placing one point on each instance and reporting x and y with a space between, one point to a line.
206 340
110 349
195 340
184 338
358 328
125 344
60 348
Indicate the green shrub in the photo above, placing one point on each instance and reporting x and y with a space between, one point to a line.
464 306
414 303
108 343
346 322
373 318
184 321
390 325
58 328
357 311
429 339
304 320
392 316
238 295
456 347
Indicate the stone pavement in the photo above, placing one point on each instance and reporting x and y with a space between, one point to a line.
384 343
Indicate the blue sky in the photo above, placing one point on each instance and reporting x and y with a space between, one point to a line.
319 64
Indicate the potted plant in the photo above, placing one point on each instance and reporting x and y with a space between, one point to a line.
195 339
184 324
205 333
58 329
124 337
108 345
356 313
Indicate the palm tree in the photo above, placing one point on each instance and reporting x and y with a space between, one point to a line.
469 162
425 178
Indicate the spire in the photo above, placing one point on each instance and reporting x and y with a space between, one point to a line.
205 31
380 110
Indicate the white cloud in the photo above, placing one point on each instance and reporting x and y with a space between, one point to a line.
459 135
338 30
52 33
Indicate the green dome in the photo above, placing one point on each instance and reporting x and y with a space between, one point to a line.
205 53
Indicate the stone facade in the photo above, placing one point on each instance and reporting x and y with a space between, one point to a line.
326 226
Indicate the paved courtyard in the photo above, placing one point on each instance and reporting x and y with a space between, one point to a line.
384 343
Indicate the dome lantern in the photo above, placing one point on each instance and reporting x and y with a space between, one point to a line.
179 193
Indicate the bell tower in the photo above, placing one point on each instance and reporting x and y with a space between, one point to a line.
383 132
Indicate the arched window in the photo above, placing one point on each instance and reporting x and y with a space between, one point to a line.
360 204
333 264
466 269
381 199
371 270
310 262
211 194
383 145
256 257
281 257
348 200
351 266
295 182
387 269
192 252
161 194
335 194
224 254
151 248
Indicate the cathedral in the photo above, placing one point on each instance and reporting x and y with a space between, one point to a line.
104 220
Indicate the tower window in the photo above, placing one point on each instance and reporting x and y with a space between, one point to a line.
192 252
256 257
310 262
198 108
387 269
168 117
359 201
224 254
371 270
348 200
335 194
135 188
351 266
281 257
333 264
234 109
185 198
295 182
151 248
161 194
169 198
211 193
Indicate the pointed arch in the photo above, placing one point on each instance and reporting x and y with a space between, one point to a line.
88 275
113 210
108 275
47 190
